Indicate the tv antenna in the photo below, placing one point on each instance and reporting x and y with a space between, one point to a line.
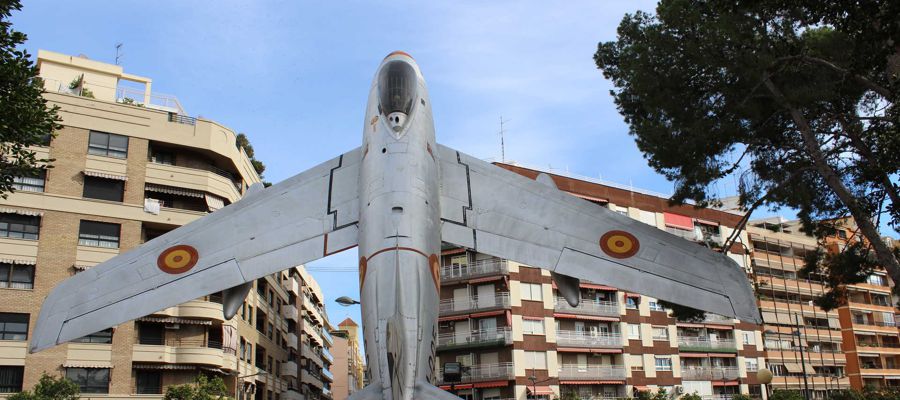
502 144
119 53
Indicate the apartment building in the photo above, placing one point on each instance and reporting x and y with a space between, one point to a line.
803 343
130 165
518 339
348 362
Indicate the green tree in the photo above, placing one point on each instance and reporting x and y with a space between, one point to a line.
795 98
660 394
741 397
25 119
692 396
786 395
49 388
203 388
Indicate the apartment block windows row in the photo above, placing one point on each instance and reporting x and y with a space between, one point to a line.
13 326
16 276
532 292
103 188
90 380
531 326
108 144
35 183
11 379
18 226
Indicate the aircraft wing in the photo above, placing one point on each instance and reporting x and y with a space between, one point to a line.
498 212
301 219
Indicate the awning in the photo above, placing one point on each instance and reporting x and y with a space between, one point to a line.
725 383
214 202
453 318
693 355
540 390
87 364
598 287
532 318
892 377
491 384
16 261
641 388
163 366
486 279
706 221
584 317
450 252
175 320
564 382
679 221
29 213
793 368
589 198
151 187
633 295
460 386
487 314
104 175
81 267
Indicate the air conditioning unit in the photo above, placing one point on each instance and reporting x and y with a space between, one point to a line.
679 389
173 326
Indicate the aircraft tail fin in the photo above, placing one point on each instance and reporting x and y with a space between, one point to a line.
372 391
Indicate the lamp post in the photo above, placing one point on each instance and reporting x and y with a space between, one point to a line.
796 333
346 301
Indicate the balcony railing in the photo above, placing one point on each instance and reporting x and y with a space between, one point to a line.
716 319
179 342
588 339
889 324
702 373
588 307
474 269
474 303
686 343
488 337
591 372
484 372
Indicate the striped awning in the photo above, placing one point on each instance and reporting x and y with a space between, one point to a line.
492 384
540 390
571 382
163 366
214 202
87 364
30 213
152 187
105 175
16 261
81 267
175 320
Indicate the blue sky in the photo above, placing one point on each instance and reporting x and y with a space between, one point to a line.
295 75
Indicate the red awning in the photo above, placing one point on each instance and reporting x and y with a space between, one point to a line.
492 384
540 390
453 251
457 387
454 318
725 383
591 382
641 388
587 317
486 279
706 222
591 198
487 314
679 221
693 355
598 287
633 295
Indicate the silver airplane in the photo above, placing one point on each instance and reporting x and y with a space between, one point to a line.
397 197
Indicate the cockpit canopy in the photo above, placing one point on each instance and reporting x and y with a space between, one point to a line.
397 87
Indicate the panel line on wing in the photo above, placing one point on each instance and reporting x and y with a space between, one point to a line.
469 192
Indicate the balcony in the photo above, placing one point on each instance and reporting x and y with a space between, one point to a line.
291 285
179 351
310 354
327 375
588 339
290 312
327 337
194 179
311 379
312 332
291 394
480 338
289 368
292 340
326 355
484 372
474 303
475 269
200 309
710 318
702 344
588 307
703 373
592 372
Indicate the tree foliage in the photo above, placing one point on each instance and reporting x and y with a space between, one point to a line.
25 119
243 142
661 394
203 388
795 98
50 388
779 394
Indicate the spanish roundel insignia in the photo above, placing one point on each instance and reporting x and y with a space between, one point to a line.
619 244
177 259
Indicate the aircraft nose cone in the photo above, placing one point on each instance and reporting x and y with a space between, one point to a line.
400 53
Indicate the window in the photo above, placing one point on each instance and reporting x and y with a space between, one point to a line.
98 234
654 306
535 360
876 280
660 333
663 363
13 326
261 321
634 331
148 382
631 302
16 276
104 336
90 380
752 365
637 362
30 183
19 226
533 326
162 157
532 291
103 189
749 338
11 379
108 144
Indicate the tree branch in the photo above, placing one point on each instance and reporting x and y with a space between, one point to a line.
884 92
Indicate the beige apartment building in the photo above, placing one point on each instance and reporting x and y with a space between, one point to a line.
348 362
130 165
521 340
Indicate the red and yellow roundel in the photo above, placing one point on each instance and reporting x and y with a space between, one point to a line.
434 264
177 259
619 244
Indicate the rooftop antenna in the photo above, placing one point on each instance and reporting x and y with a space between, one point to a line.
502 145
119 53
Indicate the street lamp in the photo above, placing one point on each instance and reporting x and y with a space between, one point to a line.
346 301
796 333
